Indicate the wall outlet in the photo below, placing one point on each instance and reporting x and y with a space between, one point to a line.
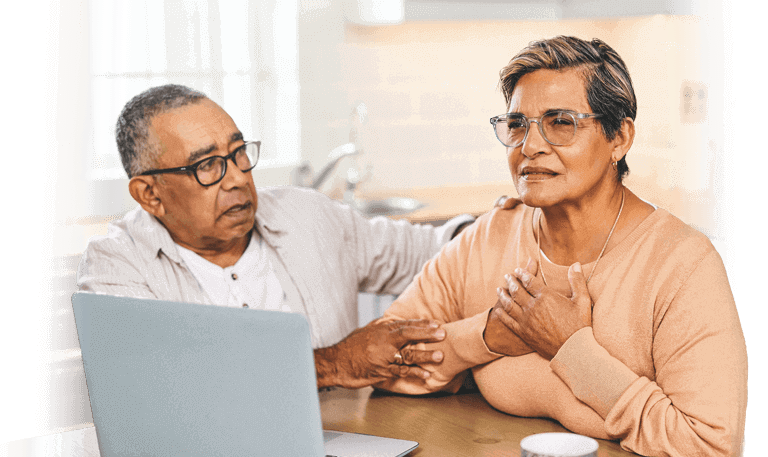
693 102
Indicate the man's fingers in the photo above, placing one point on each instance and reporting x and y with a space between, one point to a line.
399 371
402 371
406 325
423 322
511 202
506 202
416 357
406 333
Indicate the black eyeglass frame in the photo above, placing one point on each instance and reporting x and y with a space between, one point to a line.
193 168
576 117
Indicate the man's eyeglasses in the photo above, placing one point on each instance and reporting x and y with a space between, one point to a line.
211 170
558 128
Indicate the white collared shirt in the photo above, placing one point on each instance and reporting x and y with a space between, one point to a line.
323 253
249 283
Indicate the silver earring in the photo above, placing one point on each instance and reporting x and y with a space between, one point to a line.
615 165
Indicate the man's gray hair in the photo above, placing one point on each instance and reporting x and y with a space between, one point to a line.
138 152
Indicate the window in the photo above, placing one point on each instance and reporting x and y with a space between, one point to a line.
241 54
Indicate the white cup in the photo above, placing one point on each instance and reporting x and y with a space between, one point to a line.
558 445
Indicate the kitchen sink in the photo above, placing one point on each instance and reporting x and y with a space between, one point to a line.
394 206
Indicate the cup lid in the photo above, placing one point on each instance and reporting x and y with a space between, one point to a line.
559 444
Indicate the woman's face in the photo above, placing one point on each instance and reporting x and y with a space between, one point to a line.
547 175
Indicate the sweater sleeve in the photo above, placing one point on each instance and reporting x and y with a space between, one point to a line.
697 402
438 293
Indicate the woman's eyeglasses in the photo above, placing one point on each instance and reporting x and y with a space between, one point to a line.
558 128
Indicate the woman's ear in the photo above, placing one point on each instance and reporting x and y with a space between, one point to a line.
143 189
624 139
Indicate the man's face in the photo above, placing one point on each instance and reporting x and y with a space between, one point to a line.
202 218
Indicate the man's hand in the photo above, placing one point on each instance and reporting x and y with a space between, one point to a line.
367 355
505 202
501 339
502 202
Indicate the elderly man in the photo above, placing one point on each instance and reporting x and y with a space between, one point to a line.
202 234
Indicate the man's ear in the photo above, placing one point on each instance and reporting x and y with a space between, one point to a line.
143 189
624 139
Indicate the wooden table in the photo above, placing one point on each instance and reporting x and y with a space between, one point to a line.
444 426
451 425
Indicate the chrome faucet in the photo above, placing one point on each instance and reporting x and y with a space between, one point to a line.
345 150
303 175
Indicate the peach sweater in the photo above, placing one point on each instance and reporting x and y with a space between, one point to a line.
663 369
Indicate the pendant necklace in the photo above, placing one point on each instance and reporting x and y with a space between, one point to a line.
538 241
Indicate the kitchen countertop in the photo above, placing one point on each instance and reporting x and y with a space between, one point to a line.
445 202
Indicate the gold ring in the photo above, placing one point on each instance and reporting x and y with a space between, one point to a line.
399 358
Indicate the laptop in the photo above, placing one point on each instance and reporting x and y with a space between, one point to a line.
178 379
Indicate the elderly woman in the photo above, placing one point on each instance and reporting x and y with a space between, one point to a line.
586 304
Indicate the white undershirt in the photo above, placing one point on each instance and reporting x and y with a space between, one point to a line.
249 283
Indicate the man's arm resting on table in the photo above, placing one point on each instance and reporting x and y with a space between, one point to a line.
463 348
367 355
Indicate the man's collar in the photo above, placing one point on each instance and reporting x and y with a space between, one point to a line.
150 235
270 221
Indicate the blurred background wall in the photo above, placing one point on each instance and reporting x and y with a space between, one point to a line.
430 86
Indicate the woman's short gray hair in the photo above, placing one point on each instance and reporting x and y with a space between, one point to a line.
606 78
138 152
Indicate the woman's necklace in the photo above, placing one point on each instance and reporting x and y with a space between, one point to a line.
538 241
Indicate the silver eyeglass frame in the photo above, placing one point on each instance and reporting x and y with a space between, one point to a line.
575 116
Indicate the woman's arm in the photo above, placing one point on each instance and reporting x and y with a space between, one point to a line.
447 290
697 403
436 292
